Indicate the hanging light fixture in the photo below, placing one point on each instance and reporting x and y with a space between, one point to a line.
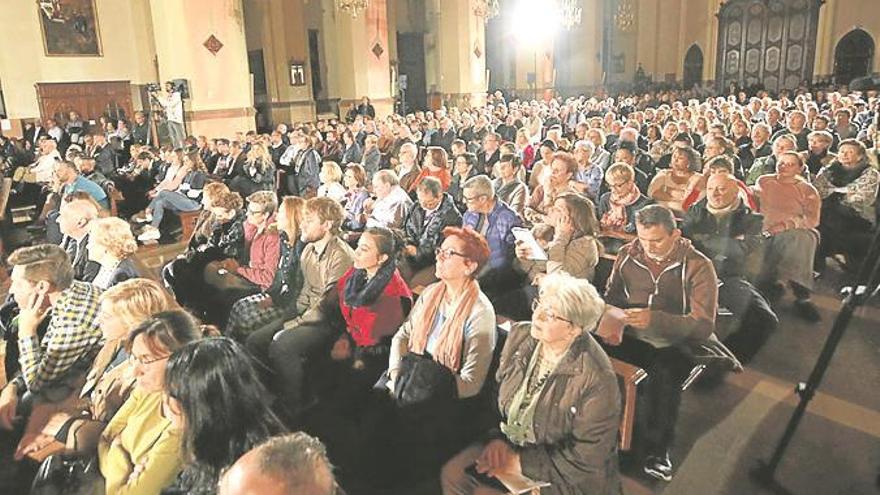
487 9
625 17
570 13
354 7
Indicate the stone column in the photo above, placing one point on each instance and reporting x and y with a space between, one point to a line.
277 28
203 41
358 56
456 52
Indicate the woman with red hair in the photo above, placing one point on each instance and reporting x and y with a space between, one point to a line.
440 358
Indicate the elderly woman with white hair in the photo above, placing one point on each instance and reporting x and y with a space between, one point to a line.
559 402
112 245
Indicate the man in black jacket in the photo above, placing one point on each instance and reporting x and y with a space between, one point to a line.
423 230
758 148
444 136
489 155
728 232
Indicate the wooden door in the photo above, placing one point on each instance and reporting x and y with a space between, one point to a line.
766 43
91 100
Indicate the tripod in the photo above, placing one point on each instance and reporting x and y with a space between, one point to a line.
855 296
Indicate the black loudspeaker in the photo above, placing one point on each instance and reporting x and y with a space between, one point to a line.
182 86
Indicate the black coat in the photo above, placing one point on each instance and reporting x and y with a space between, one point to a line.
426 237
728 242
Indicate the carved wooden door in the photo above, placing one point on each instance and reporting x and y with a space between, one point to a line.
768 43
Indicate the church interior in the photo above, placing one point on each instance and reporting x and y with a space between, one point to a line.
340 194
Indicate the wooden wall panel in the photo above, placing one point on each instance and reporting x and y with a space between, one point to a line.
91 99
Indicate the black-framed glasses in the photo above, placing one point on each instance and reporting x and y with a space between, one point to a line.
447 253
539 309
145 361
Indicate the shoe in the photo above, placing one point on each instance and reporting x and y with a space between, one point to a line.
659 467
143 217
807 310
150 233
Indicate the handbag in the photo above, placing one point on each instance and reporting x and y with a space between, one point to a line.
69 475
421 381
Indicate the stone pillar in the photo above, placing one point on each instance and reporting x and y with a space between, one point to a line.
456 49
203 42
358 57
277 28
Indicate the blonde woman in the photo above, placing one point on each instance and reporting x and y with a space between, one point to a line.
331 176
112 246
258 173
258 310
76 427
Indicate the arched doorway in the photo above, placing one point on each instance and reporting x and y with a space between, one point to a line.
852 56
693 66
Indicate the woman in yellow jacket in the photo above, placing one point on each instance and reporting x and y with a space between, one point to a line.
140 450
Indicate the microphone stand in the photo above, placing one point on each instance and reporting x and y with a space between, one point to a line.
855 296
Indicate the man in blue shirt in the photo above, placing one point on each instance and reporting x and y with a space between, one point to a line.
71 181
494 220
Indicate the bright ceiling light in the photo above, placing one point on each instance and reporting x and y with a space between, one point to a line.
535 21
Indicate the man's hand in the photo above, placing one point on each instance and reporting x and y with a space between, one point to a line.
523 251
32 314
638 318
230 265
498 457
8 404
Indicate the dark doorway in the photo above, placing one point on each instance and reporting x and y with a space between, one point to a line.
411 54
693 67
852 57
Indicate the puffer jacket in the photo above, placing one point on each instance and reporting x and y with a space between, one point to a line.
427 237
683 298
576 418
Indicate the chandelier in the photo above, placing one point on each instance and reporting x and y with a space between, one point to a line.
487 9
354 7
625 17
568 12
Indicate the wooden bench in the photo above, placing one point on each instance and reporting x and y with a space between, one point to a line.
628 378
188 221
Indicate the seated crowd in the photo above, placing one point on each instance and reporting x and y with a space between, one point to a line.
356 281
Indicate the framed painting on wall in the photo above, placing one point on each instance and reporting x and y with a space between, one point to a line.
70 28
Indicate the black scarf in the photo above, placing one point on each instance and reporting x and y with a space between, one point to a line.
814 162
362 292
841 176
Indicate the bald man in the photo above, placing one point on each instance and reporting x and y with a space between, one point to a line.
725 229
294 464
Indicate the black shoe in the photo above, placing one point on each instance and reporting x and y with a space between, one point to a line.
807 310
659 467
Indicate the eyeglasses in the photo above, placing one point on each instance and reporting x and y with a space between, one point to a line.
538 309
472 198
441 253
255 212
145 361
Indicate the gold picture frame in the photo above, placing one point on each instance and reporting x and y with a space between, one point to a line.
70 28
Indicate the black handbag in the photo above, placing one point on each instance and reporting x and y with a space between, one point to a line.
69 475
421 380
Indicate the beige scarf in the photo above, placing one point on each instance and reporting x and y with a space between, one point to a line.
448 349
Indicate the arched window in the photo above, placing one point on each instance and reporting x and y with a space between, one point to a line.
852 56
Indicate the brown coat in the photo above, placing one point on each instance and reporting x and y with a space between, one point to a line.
683 298
576 419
